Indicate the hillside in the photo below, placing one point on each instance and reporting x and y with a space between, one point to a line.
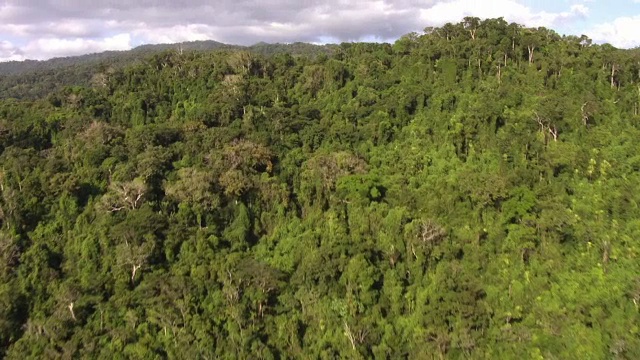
32 79
468 192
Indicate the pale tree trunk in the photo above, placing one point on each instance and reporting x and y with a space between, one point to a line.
585 116
554 132
546 127
134 269
73 315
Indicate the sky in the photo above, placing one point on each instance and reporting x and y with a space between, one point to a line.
42 29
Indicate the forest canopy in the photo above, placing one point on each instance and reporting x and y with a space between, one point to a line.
467 192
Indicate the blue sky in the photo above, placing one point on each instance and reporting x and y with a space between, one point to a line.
600 11
42 29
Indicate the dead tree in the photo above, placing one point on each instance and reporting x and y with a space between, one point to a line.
430 234
531 49
355 337
134 256
73 314
124 195
546 128
585 115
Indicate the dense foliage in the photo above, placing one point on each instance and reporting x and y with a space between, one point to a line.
471 192
33 79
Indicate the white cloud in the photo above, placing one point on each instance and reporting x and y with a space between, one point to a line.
454 11
9 52
56 47
15 29
621 32
174 34
580 10
71 27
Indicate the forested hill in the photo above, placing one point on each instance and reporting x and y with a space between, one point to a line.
469 192
32 79
21 67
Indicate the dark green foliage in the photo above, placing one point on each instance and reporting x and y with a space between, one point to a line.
467 193
36 79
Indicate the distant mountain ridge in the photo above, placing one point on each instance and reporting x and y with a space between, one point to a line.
20 67
33 78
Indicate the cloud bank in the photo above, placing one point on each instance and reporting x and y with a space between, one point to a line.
622 32
41 29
